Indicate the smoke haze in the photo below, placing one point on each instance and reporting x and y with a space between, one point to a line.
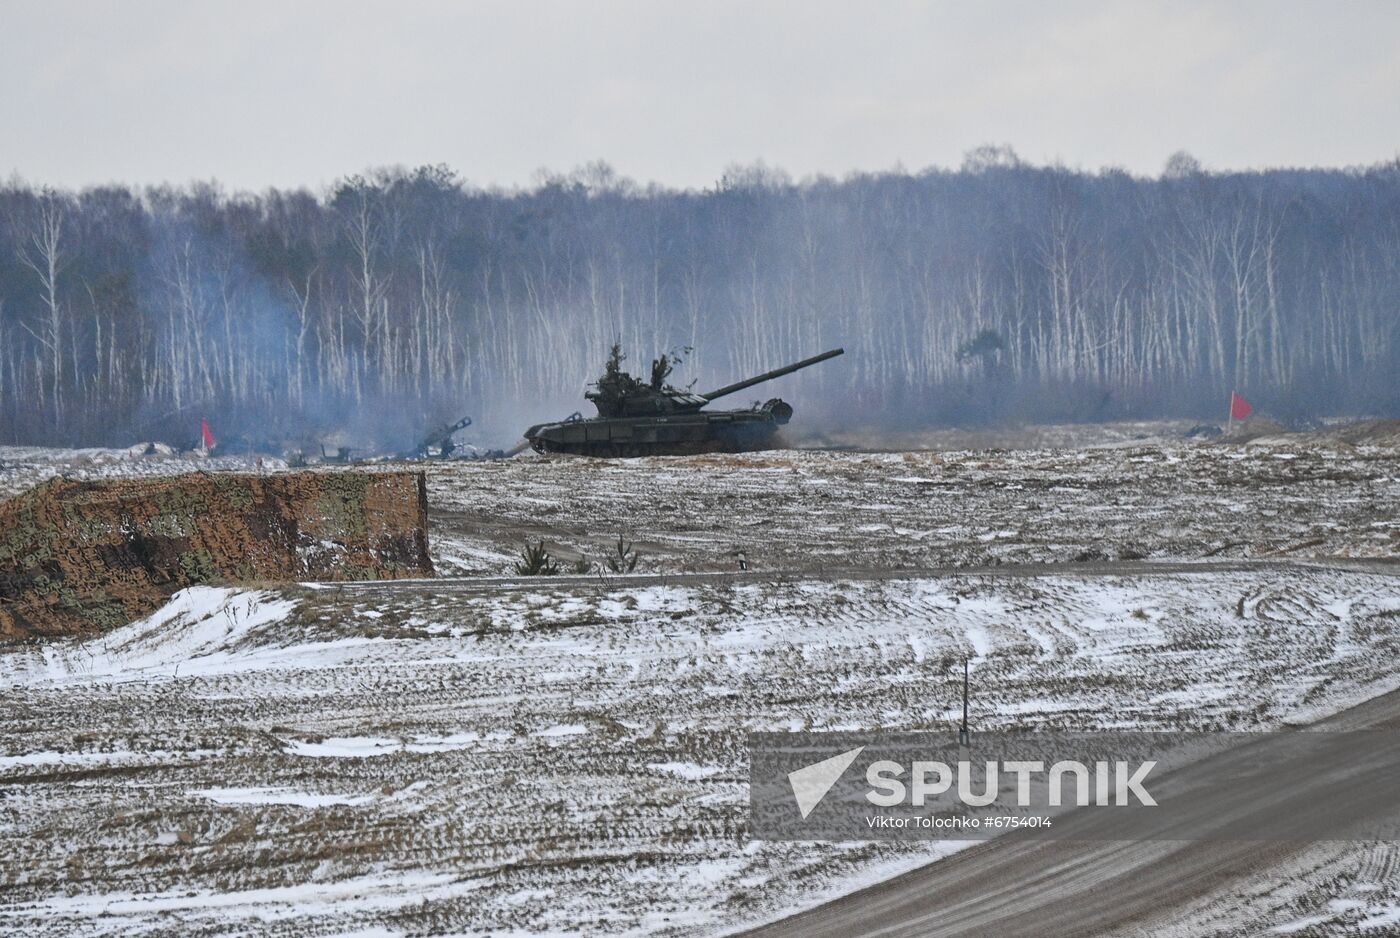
403 299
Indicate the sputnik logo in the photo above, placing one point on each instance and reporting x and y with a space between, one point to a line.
811 783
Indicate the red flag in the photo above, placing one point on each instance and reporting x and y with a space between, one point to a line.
204 432
1239 407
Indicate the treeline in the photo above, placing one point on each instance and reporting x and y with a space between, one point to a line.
998 291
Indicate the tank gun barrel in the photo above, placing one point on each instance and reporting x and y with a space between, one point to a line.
769 375
442 434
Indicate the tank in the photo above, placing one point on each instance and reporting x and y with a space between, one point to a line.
652 418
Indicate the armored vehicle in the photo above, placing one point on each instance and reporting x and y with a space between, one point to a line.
438 444
652 418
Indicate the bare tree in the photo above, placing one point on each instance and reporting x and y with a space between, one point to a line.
43 251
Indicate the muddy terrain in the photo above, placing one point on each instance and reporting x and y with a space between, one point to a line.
84 556
803 510
511 756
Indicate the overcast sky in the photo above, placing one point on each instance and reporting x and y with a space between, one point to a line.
298 92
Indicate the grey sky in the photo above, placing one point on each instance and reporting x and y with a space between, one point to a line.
298 92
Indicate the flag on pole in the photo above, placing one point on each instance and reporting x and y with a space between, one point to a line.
1239 407
207 436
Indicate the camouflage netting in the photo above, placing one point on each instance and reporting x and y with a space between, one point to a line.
82 557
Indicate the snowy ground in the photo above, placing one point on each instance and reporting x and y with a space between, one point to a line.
1141 491
418 760
800 510
22 467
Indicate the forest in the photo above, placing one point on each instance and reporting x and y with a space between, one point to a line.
997 292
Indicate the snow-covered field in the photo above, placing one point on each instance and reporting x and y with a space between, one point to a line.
545 759
22 467
1142 499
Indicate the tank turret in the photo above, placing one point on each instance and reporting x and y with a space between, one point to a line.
619 394
651 417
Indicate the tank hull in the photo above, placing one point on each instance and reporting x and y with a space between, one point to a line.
671 435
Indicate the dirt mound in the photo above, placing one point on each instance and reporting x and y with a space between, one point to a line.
84 556
1252 429
1358 433
1366 432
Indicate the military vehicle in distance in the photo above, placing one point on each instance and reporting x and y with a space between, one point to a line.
641 418
440 440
